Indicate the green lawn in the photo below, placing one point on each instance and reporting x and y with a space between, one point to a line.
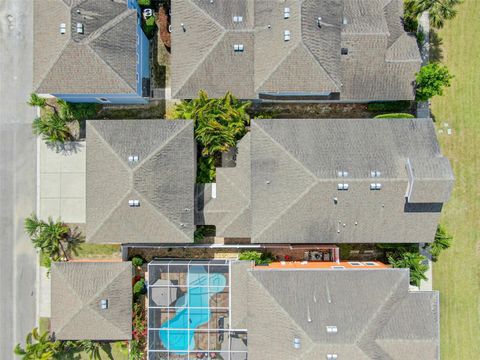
98 251
457 273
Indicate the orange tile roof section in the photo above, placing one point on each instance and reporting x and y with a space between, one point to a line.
321 265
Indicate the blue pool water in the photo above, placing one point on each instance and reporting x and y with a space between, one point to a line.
197 296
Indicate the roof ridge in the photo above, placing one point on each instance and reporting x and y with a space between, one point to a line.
276 66
366 341
108 65
318 62
60 53
103 289
300 328
107 26
211 49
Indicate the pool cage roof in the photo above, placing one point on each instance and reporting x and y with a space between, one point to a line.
189 311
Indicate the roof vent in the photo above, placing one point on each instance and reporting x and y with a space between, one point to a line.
342 174
238 48
133 158
237 19
344 21
286 35
63 28
344 51
342 186
134 203
286 13
79 28
333 329
375 173
375 186
104 304
296 343
332 357
319 21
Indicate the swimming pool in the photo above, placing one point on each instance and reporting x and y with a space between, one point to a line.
177 334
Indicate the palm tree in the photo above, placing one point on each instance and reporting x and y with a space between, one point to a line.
38 347
442 242
54 239
413 261
53 129
36 100
219 123
91 348
439 10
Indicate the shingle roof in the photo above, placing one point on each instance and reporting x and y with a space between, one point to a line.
162 180
77 291
230 210
101 60
295 165
375 314
381 62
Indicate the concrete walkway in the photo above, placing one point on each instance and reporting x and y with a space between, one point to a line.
423 108
44 293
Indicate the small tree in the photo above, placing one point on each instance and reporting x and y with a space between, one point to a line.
219 123
38 347
431 80
413 261
139 288
55 239
91 348
439 10
53 129
442 242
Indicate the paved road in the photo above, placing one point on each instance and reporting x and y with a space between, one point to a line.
17 176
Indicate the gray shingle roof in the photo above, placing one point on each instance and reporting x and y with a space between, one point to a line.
293 194
375 314
77 291
101 60
162 180
230 210
381 62
295 165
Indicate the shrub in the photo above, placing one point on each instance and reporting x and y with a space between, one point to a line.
392 106
395 116
345 250
137 261
206 170
442 241
53 129
257 256
149 27
144 2
431 80
139 288
413 261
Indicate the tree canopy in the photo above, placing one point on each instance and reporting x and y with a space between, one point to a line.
431 81
439 10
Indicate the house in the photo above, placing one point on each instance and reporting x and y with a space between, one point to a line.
140 181
288 313
91 300
91 51
332 50
331 181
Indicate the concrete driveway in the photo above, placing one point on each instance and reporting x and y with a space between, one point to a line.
17 176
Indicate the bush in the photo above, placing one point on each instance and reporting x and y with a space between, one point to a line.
53 129
392 106
344 250
206 170
149 27
139 288
395 116
257 256
431 80
144 2
137 261
442 241
413 261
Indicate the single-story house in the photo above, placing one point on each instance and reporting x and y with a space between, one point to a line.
331 181
348 50
140 181
289 313
91 300
91 51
